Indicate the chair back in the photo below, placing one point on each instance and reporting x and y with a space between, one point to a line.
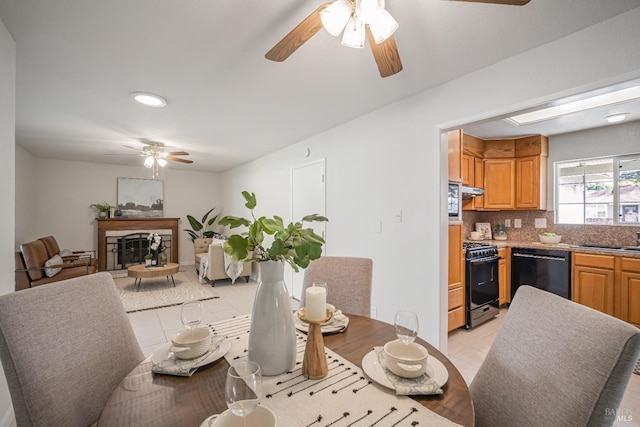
554 363
64 348
348 282
51 244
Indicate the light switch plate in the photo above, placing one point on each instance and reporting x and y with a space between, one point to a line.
540 223
517 223
507 223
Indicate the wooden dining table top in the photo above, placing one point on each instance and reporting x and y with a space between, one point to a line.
145 398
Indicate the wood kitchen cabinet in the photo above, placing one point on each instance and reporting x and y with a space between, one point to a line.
504 276
628 289
455 155
499 184
473 176
531 182
456 277
593 281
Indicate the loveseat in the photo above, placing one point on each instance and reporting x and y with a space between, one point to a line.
211 250
42 261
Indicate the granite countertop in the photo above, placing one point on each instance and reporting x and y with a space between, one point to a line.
558 246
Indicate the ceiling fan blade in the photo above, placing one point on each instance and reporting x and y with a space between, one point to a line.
507 2
297 37
177 153
385 54
178 159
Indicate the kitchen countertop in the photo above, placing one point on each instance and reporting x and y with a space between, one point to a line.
557 246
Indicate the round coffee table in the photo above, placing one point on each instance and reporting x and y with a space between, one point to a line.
139 271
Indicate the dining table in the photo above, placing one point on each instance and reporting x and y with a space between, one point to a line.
147 398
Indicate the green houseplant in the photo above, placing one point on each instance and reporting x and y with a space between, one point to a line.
272 337
291 243
199 228
103 208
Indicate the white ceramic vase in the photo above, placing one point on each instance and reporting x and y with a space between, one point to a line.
272 337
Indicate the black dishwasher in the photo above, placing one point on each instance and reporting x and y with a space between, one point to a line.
547 269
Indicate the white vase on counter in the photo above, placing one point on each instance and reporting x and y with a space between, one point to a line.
272 337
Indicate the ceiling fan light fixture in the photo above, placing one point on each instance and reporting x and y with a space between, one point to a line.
148 161
149 99
382 26
353 33
335 16
162 162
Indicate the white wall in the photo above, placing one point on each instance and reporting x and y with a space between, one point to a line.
611 140
7 190
62 192
393 159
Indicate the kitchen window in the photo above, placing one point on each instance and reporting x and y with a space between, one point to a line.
600 191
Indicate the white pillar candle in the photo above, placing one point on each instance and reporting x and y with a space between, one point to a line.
316 300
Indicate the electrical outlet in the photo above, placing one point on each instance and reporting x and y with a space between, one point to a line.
517 223
507 223
374 312
540 223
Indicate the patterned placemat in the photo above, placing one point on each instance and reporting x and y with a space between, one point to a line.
637 370
345 397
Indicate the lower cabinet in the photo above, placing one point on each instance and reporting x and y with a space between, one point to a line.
628 281
593 281
456 278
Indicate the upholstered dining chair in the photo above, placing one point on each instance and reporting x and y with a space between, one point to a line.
348 282
554 363
64 348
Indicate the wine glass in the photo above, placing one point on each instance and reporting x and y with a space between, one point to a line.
406 323
191 314
243 388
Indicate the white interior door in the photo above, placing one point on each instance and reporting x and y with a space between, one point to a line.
308 196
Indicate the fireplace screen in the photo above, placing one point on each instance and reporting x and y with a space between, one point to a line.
125 251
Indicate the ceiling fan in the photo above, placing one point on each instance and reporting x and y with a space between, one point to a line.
155 156
356 19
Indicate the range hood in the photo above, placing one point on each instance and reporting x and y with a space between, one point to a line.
471 192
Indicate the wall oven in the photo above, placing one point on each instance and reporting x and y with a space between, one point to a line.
481 283
454 201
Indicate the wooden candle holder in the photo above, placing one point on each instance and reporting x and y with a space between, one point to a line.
314 363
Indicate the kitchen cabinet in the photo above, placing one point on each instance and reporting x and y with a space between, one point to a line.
473 176
531 182
628 290
593 281
499 184
504 276
455 286
468 173
455 155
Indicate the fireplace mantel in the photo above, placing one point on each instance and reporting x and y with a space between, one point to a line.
133 225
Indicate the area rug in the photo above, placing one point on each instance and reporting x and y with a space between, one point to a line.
159 292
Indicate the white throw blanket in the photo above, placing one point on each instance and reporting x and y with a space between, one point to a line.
233 269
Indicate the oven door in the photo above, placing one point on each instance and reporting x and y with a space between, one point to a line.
482 281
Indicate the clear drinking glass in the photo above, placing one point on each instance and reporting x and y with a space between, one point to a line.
191 314
243 388
406 323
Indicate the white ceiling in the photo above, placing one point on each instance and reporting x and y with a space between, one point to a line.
78 60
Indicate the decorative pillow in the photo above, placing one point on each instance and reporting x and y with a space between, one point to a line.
55 260
66 252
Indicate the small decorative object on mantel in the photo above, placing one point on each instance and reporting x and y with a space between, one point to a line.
103 209
272 338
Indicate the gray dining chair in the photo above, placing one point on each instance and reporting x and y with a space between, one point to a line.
64 348
348 282
554 363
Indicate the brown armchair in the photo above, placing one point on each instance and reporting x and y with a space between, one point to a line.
38 263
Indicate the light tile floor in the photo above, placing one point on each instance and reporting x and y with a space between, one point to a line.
467 348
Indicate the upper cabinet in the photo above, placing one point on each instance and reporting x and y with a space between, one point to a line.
455 155
513 172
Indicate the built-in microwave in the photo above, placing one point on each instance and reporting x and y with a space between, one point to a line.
454 201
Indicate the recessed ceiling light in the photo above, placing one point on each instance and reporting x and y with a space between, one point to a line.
149 99
615 118
573 107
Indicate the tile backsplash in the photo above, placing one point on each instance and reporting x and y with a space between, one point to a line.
610 235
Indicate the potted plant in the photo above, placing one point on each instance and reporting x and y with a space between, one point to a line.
103 209
272 338
199 228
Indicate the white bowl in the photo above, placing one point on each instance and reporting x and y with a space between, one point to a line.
188 344
261 416
550 239
405 360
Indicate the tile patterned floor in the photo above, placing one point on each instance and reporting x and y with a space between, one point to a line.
467 348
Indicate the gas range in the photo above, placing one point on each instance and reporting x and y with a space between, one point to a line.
478 250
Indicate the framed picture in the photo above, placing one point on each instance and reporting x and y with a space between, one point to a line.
140 197
485 230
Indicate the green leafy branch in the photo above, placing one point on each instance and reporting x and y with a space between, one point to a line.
291 243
